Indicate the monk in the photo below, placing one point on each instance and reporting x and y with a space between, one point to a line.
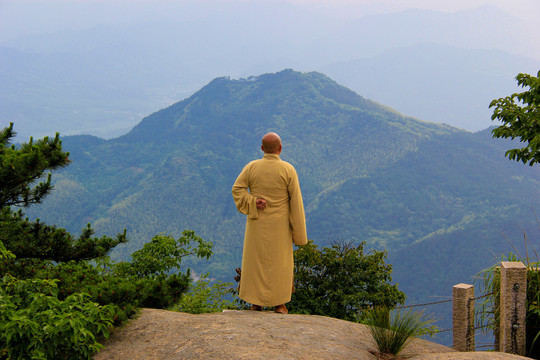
268 192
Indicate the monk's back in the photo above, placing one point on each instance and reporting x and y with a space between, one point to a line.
270 178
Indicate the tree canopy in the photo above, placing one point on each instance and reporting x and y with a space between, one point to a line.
520 115
341 281
21 167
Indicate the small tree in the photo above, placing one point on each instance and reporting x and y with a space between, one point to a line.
205 298
164 253
520 115
20 169
341 281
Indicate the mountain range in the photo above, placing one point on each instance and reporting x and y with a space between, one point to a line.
101 80
443 202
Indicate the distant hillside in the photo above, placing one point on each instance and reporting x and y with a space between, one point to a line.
437 198
435 82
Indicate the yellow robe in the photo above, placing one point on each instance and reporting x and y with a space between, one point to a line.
267 259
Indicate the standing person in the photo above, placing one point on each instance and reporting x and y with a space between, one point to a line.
275 220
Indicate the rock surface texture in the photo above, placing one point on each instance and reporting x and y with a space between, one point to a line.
161 334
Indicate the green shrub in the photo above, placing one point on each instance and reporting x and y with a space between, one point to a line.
61 291
4 253
110 287
202 298
147 281
35 323
164 253
51 308
341 281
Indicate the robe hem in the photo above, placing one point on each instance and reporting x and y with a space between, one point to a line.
266 304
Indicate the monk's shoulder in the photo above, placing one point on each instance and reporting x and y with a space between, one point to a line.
252 163
287 165
288 168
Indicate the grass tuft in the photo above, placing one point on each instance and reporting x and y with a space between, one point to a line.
393 330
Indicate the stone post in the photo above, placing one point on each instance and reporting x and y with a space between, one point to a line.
513 307
497 305
463 317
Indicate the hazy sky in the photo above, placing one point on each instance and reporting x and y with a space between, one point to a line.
524 8
19 18
23 17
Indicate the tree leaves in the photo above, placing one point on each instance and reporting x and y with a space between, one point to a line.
35 323
341 281
164 254
520 115
33 239
21 167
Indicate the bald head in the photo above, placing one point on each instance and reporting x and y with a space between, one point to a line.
271 143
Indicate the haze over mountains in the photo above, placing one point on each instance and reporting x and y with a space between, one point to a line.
437 66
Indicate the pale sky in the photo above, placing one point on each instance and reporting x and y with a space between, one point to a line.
62 18
517 7
18 18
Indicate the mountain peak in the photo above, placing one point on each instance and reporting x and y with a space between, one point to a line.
264 99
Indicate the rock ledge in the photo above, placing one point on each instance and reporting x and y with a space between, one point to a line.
161 334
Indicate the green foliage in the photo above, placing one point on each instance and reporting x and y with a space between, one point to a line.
489 311
533 310
33 239
35 323
520 115
164 253
488 314
5 254
151 279
341 281
128 292
393 330
73 289
21 167
202 298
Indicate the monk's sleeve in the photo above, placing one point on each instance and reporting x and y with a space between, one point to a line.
245 202
297 217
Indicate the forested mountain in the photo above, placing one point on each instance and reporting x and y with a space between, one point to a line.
437 198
